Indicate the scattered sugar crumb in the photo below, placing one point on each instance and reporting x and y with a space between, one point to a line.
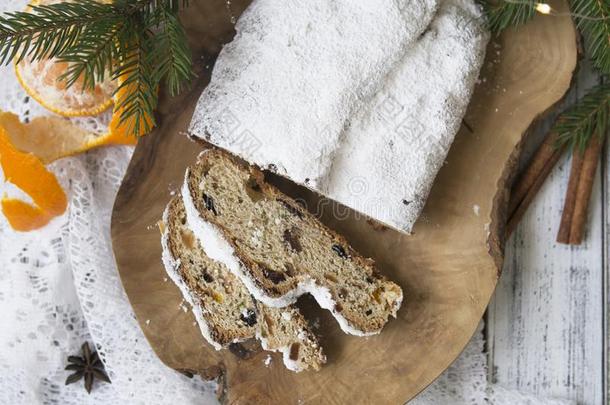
165 279
172 193
267 360
477 209
148 322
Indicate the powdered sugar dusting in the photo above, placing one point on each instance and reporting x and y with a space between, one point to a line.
297 71
396 146
351 100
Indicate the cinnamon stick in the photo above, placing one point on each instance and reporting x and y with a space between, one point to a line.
563 235
532 179
585 187
535 176
547 152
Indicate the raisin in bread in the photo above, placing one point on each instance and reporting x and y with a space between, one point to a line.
224 309
279 250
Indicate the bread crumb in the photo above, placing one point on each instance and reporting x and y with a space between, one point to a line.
477 209
148 322
257 237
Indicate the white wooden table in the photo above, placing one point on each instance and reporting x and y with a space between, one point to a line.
547 323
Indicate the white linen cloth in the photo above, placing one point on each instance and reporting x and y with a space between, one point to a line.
59 287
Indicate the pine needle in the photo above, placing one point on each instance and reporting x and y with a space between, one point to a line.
503 14
589 116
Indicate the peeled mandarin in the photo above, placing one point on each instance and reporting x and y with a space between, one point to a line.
40 79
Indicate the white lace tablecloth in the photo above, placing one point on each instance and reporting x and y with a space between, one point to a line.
59 287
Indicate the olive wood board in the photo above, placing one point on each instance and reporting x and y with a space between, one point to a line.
448 268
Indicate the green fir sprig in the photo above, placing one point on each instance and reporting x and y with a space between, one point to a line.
142 42
504 14
593 19
589 115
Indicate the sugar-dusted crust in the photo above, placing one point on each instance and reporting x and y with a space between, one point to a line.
371 124
283 90
223 245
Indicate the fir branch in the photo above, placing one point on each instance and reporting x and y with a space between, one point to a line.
48 30
137 91
502 14
587 117
593 19
140 42
92 57
172 55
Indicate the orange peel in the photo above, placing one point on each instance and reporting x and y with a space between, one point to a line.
22 216
25 148
51 138
27 172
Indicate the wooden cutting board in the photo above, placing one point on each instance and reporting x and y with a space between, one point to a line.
448 268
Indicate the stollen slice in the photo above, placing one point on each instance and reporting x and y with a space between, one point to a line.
278 249
224 309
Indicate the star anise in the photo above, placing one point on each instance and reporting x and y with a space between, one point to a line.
89 367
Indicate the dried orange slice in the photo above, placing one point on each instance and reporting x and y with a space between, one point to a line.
28 172
51 138
40 79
